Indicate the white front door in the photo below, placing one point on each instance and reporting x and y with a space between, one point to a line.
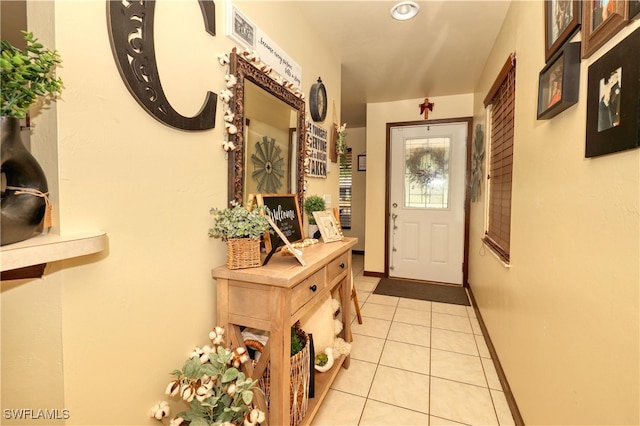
426 202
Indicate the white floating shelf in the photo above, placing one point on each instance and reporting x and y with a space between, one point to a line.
47 248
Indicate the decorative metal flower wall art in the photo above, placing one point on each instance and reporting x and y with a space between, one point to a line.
268 165
477 166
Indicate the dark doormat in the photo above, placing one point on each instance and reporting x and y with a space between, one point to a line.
423 291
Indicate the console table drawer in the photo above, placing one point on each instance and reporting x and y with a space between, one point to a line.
337 266
307 289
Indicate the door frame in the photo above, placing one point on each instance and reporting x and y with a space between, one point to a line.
467 191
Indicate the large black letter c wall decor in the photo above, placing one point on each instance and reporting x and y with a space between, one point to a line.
130 26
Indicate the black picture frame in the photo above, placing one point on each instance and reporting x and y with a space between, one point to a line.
562 20
614 126
634 9
362 163
285 212
559 81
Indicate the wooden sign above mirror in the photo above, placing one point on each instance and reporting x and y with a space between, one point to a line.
269 150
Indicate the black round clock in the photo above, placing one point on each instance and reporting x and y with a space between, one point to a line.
318 101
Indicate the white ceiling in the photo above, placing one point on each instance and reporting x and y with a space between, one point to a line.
440 52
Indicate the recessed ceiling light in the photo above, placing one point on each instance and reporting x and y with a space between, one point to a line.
405 10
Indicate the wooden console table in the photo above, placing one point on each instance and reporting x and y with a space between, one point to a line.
272 298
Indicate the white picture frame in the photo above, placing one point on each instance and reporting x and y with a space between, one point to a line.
240 29
328 226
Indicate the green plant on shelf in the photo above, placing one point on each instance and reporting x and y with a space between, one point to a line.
27 76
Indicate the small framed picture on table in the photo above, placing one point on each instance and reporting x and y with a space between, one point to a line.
328 226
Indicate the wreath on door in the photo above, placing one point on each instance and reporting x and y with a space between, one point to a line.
424 165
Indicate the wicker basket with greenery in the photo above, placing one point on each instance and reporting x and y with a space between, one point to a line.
241 228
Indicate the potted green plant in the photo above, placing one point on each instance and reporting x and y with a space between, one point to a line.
241 228
211 383
299 364
313 203
25 77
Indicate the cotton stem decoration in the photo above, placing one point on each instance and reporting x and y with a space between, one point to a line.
230 84
341 143
425 107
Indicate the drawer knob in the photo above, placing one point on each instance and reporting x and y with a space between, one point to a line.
313 288
342 265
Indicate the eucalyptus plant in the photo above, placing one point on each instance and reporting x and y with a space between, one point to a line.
27 75
239 222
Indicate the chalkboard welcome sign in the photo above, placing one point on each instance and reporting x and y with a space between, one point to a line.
283 209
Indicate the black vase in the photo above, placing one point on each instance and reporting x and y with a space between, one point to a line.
21 214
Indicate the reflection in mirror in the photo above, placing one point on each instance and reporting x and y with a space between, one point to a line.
269 154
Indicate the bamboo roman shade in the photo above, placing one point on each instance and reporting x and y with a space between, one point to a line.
502 101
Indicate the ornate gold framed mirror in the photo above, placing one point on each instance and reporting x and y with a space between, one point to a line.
270 137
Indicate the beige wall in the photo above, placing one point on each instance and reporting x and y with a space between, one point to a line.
106 330
564 317
378 115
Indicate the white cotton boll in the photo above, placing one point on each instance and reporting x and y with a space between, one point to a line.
227 146
231 80
188 393
173 388
226 95
161 410
231 128
229 116
195 353
223 58
217 334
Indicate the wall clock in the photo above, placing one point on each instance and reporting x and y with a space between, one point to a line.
318 101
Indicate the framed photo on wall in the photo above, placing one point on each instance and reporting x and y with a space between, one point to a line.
613 91
362 162
562 20
240 29
559 81
601 20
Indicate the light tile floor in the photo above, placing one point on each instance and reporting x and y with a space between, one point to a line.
414 362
